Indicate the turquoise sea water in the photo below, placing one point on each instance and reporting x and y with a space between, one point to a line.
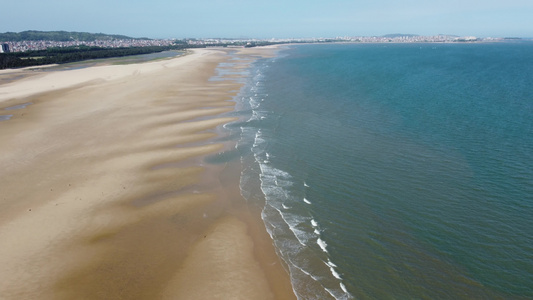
394 171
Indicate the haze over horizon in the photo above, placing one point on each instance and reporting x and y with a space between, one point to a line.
273 19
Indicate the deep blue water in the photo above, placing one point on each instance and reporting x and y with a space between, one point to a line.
394 171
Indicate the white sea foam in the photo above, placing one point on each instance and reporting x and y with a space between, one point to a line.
305 272
294 221
254 103
302 235
273 194
322 244
299 234
275 173
284 183
334 273
258 140
332 293
329 263
256 115
278 214
276 195
343 287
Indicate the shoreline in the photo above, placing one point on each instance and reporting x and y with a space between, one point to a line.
109 197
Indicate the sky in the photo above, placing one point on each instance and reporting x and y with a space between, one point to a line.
273 18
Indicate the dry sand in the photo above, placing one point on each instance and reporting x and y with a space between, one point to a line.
104 193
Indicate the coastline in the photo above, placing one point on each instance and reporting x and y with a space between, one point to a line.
110 197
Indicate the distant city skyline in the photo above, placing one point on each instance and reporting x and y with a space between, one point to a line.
273 19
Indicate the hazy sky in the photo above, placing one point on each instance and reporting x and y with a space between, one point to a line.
274 18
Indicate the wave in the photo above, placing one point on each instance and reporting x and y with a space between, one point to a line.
322 245
337 275
285 212
329 263
343 287
307 143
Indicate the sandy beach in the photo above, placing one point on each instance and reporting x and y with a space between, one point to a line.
104 193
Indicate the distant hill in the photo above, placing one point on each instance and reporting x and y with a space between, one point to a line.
395 35
58 36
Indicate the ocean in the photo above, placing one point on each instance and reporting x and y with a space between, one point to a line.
393 171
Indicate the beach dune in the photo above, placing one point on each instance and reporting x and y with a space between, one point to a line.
104 193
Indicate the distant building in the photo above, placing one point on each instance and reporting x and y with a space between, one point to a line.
4 48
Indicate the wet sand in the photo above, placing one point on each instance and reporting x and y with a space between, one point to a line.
105 195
